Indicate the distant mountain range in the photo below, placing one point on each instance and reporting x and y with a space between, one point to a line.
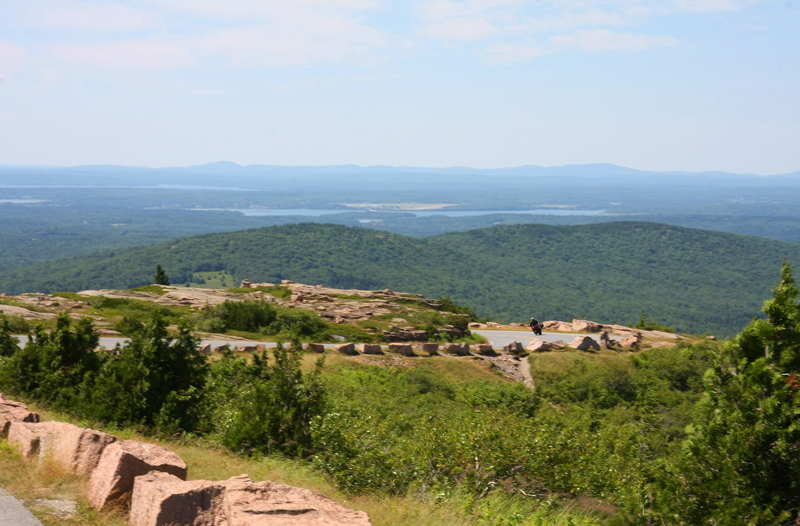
597 170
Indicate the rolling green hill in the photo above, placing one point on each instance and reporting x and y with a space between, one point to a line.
695 280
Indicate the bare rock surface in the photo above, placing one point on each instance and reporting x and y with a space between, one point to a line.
585 326
371 348
538 346
315 347
75 448
514 348
431 348
346 348
402 349
123 461
249 503
605 341
558 345
27 436
161 499
11 411
585 343
632 341
458 349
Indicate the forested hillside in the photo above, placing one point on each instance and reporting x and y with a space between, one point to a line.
694 280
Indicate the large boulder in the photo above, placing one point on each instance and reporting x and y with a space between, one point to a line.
161 499
585 343
25 437
514 348
632 341
558 345
458 349
249 503
485 349
431 348
371 348
315 347
605 341
11 411
122 462
346 348
75 448
538 346
402 349
585 326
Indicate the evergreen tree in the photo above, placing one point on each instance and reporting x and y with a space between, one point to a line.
740 463
160 277
8 344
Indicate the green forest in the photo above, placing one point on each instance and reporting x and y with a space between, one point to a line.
694 280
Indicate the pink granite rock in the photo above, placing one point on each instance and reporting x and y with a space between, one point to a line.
458 349
75 448
315 347
123 461
585 343
161 499
403 349
538 346
346 348
431 348
249 503
371 348
11 411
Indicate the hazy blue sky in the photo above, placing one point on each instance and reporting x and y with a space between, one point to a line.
669 84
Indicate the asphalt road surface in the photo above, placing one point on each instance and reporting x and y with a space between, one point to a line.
13 513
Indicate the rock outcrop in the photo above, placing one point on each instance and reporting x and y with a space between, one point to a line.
538 346
514 348
160 499
125 460
371 348
457 349
248 503
11 411
431 348
402 349
605 341
72 447
585 343
346 348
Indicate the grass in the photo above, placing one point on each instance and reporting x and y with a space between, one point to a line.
29 481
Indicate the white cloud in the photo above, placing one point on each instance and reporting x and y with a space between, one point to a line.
599 40
708 6
153 54
463 29
83 16
506 53
12 57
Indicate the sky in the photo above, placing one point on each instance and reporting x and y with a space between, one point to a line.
656 85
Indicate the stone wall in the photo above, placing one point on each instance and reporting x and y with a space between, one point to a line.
151 480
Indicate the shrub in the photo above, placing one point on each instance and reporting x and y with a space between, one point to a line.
8 344
266 408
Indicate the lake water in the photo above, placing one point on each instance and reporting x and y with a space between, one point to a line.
417 213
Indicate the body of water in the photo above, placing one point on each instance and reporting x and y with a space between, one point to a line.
417 213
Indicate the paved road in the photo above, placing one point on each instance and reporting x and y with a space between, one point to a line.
500 339
13 513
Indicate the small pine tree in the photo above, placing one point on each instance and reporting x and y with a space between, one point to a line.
740 462
160 277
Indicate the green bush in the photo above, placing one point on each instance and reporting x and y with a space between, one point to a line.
16 323
154 380
8 344
262 407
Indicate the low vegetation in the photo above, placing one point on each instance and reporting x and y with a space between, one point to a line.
695 434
